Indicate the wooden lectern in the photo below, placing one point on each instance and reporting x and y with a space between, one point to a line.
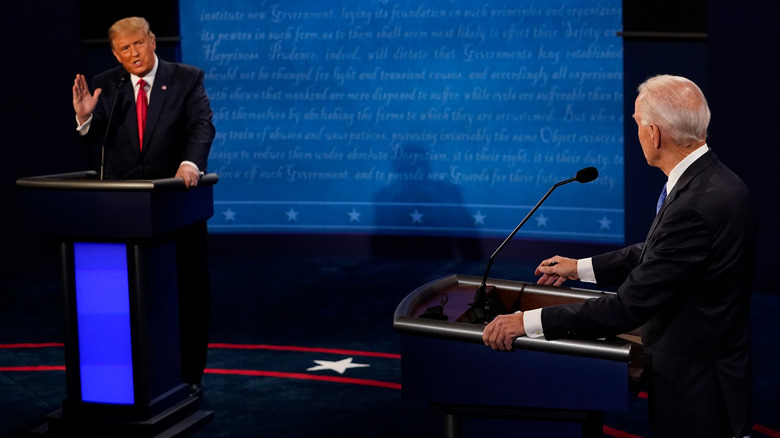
540 389
119 278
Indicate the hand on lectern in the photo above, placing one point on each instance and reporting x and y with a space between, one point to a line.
500 334
556 270
189 174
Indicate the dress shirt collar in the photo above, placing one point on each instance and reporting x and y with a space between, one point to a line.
678 170
149 78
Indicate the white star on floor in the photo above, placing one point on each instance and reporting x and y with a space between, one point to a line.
416 216
479 218
541 221
230 215
292 215
354 216
338 366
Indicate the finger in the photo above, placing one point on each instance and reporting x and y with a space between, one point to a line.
509 342
489 333
486 334
499 337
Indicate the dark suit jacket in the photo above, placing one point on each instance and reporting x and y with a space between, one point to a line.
178 128
688 285
178 124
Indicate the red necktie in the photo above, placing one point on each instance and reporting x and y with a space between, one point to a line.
141 105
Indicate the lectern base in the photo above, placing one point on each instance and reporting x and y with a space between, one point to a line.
173 422
461 421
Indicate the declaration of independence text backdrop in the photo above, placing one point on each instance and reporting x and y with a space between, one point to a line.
412 117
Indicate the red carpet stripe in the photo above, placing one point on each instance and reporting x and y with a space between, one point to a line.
766 431
618 433
305 377
43 345
305 350
33 368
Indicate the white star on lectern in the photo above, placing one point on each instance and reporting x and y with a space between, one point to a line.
292 215
541 221
338 366
230 215
605 223
479 218
354 216
416 216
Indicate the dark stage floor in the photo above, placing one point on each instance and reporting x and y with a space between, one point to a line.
302 347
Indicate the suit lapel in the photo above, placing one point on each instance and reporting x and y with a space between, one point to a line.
157 100
690 173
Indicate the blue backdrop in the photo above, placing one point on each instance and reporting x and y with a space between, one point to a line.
397 117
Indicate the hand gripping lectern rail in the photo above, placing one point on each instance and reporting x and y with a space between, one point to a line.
119 276
540 389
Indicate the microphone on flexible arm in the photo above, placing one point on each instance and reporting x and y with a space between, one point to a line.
122 79
482 312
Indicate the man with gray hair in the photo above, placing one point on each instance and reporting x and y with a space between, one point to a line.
687 286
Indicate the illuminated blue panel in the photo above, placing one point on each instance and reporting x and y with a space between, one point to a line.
412 117
103 308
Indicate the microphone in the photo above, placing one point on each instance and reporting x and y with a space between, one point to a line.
481 308
122 79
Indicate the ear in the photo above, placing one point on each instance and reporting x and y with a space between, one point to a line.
655 135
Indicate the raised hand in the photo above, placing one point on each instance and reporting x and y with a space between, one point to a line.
84 102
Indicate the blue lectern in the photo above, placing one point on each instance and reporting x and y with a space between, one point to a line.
119 279
540 389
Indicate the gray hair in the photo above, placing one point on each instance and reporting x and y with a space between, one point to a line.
677 105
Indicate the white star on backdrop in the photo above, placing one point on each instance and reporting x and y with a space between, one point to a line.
416 216
479 218
338 366
354 216
541 221
292 215
605 223
230 215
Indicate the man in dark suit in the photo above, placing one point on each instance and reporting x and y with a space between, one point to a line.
687 286
172 140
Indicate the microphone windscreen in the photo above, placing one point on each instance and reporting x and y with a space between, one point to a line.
586 175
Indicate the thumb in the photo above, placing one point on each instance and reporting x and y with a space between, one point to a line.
97 93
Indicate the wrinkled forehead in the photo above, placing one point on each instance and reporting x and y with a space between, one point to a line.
126 38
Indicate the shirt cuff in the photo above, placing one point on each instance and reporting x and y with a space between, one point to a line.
532 322
190 163
585 270
82 129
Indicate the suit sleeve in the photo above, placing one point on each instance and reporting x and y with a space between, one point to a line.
199 126
674 257
612 268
